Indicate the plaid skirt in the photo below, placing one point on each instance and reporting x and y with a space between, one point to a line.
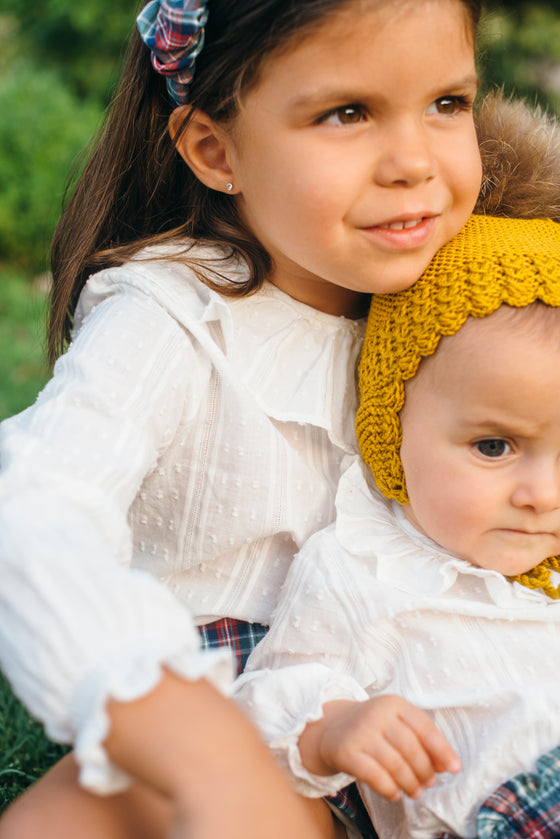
527 807
241 637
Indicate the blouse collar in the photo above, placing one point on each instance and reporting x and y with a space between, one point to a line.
410 561
298 363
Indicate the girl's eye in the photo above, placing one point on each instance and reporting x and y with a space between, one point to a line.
347 115
493 447
449 105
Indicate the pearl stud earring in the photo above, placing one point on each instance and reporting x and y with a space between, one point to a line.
229 187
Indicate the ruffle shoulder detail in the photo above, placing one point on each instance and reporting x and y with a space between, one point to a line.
298 363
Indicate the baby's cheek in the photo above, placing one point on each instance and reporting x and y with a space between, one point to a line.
452 518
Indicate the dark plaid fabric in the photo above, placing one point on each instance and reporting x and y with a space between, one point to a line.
241 637
349 802
527 807
174 32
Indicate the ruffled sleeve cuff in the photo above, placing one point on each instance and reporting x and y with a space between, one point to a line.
126 681
283 702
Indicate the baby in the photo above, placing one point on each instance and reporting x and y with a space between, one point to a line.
415 642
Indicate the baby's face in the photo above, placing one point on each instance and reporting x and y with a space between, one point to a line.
481 444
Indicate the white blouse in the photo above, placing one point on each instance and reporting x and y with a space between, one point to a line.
186 447
371 606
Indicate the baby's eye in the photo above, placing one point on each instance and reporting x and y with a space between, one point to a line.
346 115
449 105
493 447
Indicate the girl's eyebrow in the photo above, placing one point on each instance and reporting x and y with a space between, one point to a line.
471 81
319 97
328 93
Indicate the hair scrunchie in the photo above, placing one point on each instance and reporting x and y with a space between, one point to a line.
174 32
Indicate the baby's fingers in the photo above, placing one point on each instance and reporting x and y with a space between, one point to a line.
405 758
388 782
433 744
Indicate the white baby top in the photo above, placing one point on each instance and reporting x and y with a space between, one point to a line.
186 439
372 606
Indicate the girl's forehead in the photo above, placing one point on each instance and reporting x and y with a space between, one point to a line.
342 18
372 30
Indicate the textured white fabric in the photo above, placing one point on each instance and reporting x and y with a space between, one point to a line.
185 439
372 606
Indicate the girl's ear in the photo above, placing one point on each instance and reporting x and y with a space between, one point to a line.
204 147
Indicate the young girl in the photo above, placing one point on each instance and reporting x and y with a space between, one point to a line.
266 165
421 627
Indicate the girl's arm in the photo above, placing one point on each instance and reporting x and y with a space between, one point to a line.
193 745
77 624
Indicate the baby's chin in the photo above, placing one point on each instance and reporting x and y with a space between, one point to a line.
521 554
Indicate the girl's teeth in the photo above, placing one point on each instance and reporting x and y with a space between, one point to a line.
401 225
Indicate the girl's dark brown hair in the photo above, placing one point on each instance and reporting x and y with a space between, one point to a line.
136 190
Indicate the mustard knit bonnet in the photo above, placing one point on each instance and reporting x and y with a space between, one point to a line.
492 261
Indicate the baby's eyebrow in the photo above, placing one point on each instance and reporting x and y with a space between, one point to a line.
485 425
521 429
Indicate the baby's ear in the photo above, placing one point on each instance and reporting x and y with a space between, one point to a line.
203 145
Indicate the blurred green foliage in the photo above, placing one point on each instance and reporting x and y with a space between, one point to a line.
58 62
83 41
23 369
520 48
42 126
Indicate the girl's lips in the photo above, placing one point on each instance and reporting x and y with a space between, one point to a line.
403 234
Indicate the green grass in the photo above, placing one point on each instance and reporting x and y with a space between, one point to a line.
25 752
23 370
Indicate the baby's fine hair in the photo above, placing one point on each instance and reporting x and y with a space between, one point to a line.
135 190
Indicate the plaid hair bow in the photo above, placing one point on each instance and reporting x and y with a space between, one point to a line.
174 32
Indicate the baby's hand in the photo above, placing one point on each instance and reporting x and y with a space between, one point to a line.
384 742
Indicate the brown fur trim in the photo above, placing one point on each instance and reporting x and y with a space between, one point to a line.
520 148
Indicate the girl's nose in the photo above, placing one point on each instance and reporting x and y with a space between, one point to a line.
406 157
539 487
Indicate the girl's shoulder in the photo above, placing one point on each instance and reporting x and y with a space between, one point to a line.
266 342
172 277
